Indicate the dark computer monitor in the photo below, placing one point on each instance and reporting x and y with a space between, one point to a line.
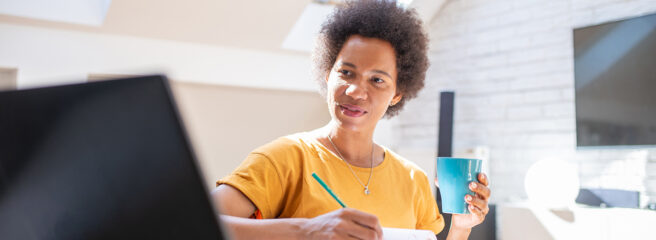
101 160
615 79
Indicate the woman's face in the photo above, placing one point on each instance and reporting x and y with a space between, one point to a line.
362 83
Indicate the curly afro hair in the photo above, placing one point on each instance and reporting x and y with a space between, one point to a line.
383 20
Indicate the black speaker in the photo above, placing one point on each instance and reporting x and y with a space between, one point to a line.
487 229
444 147
445 130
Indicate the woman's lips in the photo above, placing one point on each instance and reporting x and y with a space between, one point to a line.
352 110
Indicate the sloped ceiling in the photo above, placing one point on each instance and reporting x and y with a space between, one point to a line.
254 24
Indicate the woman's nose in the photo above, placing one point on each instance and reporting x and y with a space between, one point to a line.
356 90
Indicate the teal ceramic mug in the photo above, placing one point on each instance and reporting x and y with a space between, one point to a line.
454 176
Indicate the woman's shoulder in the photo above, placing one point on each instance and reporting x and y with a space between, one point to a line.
286 146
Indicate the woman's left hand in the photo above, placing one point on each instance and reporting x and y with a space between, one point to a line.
477 205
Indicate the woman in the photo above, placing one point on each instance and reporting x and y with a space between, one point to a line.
371 59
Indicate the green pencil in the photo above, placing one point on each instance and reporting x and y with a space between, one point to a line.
323 184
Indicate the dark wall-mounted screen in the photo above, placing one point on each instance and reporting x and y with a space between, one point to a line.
615 81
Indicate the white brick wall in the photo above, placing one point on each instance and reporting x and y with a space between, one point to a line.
510 63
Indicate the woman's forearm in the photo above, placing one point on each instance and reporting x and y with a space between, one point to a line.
458 233
246 228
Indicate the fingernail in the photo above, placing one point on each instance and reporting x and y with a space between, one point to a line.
468 197
473 185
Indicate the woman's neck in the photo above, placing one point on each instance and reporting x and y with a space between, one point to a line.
354 146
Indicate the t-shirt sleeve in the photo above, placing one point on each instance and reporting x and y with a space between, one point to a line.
429 217
260 181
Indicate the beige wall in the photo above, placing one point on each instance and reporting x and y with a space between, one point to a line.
7 78
225 123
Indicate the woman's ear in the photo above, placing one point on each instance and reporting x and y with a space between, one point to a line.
396 99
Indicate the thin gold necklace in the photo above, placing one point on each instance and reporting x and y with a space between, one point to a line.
371 171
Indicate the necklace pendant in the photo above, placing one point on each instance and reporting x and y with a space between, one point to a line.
366 190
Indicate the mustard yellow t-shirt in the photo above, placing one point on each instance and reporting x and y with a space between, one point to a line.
277 178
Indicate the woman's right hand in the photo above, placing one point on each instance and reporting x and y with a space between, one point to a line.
345 223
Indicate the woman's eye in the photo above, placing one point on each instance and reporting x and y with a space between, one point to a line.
378 80
345 72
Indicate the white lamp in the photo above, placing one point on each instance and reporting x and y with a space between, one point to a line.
552 183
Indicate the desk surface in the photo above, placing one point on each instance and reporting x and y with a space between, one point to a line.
524 221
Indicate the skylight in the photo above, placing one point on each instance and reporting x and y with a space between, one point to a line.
85 12
306 29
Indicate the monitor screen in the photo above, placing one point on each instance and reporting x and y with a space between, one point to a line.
615 83
102 160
